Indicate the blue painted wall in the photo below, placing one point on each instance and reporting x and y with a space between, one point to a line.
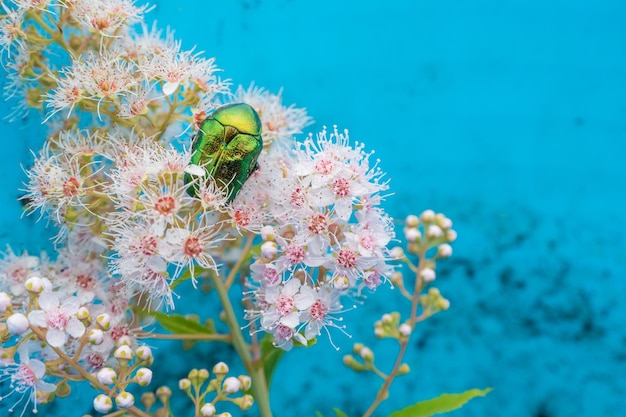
508 116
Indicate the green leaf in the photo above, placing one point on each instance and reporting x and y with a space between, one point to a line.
270 357
179 324
339 413
441 404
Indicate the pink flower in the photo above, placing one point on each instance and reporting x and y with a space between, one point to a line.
59 319
25 378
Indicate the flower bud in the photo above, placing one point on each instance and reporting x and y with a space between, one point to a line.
269 250
164 393
102 404
184 384
144 354
244 402
444 250
268 233
123 352
231 385
427 216
404 369
125 399
83 314
106 376
207 410
396 278
96 336
220 369
5 302
104 321
427 274
17 324
412 234
124 341
412 220
63 390
203 374
366 354
224 414
148 399
143 376
405 330
246 382
443 222
34 285
434 231
397 252
341 282
451 235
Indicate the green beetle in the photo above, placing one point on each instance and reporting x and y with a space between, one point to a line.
227 145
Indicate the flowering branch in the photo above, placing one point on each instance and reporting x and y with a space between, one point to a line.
141 207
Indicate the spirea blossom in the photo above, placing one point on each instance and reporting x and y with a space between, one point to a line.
59 318
25 379
329 237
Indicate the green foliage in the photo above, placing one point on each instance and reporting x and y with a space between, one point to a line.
179 324
270 356
442 404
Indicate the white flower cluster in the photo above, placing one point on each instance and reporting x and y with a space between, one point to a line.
71 304
323 233
127 79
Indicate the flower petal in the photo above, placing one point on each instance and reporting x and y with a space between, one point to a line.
75 327
38 367
48 300
70 305
56 338
37 318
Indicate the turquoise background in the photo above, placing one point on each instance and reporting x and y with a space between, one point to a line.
508 116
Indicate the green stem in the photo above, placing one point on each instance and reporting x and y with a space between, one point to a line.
383 392
259 387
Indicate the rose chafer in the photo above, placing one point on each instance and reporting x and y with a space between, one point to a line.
227 145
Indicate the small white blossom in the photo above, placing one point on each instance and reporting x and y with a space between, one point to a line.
25 379
59 319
